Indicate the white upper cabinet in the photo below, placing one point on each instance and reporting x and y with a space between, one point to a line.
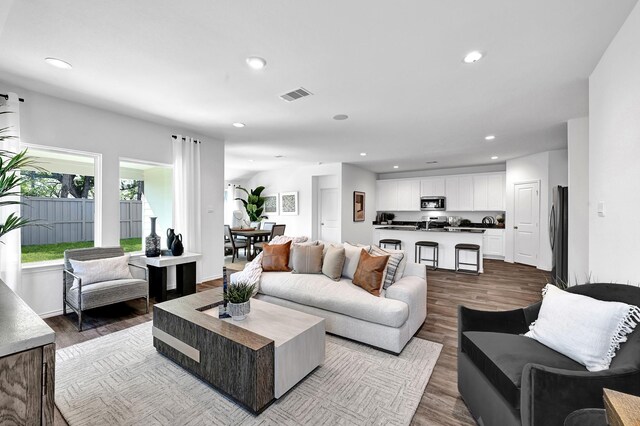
432 187
488 192
398 195
409 195
387 195
459 193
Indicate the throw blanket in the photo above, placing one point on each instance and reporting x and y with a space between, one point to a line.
253 270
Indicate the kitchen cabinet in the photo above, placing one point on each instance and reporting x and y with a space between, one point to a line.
398 195
493 243
488 192
387 195
432 187
459 193
409 195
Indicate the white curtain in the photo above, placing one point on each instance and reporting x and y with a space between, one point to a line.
187 209
10 246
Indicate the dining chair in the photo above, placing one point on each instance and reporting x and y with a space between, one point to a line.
233 244
275 231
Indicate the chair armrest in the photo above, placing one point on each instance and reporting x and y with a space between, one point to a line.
139 268
548 395
512 322
64 281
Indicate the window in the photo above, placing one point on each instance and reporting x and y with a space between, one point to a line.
146 190
59 197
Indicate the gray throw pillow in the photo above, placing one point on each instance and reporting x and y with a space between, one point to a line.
307 259
392 271
333 262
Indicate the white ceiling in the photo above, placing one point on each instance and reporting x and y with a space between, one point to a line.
394 67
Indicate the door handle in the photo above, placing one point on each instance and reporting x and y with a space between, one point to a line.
322 223
515 227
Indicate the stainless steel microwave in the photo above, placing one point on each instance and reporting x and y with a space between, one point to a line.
432 203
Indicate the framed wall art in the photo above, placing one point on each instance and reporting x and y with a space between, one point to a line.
270 205
358 206
289 203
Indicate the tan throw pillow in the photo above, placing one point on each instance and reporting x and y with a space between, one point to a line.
369 272
301 243
275 257
307 259
333 262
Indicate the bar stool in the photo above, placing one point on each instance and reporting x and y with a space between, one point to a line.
397 244
468 247
434 255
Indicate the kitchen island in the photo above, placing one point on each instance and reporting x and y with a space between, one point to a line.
446 238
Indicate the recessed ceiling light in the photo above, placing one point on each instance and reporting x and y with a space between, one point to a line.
472 57
489 137
238 125
251 161
363 154
58 63
256 62
340 117
495 157
395 167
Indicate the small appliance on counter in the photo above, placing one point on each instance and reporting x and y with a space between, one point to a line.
437 222
432 203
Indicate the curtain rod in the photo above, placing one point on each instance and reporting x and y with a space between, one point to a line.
184 139
6 97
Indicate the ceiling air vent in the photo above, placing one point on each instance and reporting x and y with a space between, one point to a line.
296 94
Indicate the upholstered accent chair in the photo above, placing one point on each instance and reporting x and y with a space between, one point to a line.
275 231
509 379
104 293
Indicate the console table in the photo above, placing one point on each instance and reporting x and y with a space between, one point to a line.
185 274
27 363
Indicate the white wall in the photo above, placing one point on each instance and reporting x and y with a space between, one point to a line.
550 169
299 179
498 167
578 245
356 179
614 150
54 122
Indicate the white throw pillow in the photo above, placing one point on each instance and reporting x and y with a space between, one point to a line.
585 329
99 270
352 257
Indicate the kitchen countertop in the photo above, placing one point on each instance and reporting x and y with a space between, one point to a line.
446 230
21 329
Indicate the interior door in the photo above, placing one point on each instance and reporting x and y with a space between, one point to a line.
329 215
526 223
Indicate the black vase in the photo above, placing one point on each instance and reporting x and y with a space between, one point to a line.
170 237
177 248
152 242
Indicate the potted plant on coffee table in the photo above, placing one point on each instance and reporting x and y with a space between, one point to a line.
239 300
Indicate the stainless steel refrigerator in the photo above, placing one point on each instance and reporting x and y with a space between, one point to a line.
558 234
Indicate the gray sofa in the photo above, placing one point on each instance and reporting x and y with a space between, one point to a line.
509 379
349 311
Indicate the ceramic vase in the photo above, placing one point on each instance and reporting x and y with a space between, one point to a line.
171 235
152 242
176 247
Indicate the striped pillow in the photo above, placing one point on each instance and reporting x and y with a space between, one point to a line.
391 271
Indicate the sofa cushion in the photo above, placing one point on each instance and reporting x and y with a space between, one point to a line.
336 296
107 292
501 358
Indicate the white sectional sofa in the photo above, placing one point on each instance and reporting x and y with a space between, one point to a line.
386 322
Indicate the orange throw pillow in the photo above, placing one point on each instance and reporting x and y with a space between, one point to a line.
369 272
275 257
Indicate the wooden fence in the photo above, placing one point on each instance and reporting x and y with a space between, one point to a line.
71 219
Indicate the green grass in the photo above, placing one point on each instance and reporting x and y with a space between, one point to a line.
44 252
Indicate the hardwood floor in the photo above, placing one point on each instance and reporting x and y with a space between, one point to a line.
503 286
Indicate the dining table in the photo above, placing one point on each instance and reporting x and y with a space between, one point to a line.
252 236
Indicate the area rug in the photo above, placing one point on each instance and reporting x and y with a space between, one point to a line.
120 379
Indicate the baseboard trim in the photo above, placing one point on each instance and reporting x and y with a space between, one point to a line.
51 314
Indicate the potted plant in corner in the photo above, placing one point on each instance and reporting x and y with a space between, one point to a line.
254 203
10 181
239 300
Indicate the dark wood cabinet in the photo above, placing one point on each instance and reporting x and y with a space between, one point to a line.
27 364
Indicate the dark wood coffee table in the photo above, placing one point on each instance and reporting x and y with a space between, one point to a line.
253 361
